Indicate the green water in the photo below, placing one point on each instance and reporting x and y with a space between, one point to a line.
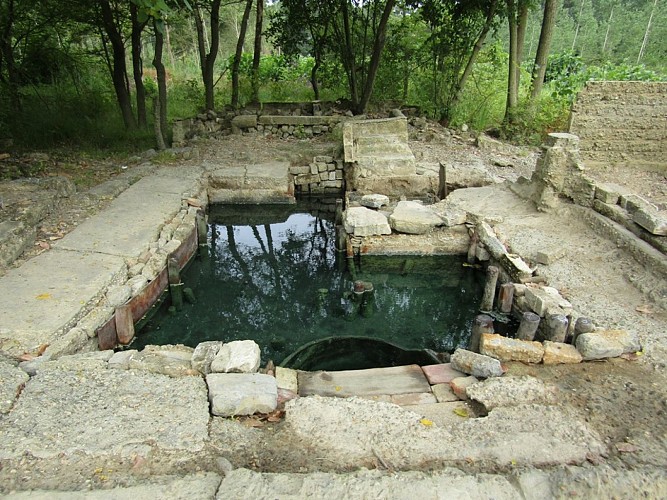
279 282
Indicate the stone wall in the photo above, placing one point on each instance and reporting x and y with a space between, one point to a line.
622 122
323 175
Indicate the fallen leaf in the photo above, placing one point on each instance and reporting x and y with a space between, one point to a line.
41 349
626 447
193 202
645 309
426 422
26 356
251 422
461 412
43 245
44 296
338 388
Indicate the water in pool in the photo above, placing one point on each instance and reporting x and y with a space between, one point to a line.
272 274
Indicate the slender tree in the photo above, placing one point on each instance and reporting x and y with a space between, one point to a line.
543 47
207 59
236 65
137 65
257 52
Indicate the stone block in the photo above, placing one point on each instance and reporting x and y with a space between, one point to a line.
239 356
444 393
632 202
653 221
442 373
175 361
313 169
602 344
374 200
241 393
241 122
286 378
546 300
510 391
412 217
299 170
460 386
362 221
324 176
558 353
323 159
304 179
204 354
476 364
420 398
608 193
506 349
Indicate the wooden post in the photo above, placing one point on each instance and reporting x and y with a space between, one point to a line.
556 328
175 285
339 211
442 187
505 297
528 326
472 249
483 324
489 288
202 228
341 239
124 324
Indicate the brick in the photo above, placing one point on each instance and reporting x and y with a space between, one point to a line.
442 373
460 386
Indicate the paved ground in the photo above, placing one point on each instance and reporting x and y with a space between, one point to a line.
78 429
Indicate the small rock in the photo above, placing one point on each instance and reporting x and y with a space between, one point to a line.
118 295
476 364
239 356
362 221
444 392
374 200
602 344
287 379
204 354
121 359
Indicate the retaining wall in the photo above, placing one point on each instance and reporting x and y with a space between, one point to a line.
622 122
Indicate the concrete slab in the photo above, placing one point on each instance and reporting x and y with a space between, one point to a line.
119 420
136 217
376 381
443 414
49 293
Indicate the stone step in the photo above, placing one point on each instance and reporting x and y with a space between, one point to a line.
261 183
371 382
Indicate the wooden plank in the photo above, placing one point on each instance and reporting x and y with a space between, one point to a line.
124 324
148 296
106 335
187 249
372 382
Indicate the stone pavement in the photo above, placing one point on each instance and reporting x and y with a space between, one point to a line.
47 295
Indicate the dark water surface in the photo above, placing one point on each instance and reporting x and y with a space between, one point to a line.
271 274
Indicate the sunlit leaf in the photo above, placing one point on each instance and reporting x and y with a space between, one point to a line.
426 422
461 412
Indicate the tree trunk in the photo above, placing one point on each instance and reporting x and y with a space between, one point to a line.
161 79
119 71
239 53
7 52
313 79
137 66
348 58
207 61
543 47
512 82
257 53
378 46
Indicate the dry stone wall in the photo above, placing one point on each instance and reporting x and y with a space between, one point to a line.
622 122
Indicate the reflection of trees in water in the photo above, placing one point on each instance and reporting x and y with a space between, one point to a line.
272 283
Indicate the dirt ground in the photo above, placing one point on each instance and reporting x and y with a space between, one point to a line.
624 400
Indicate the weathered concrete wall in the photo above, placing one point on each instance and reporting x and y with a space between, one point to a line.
622 122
